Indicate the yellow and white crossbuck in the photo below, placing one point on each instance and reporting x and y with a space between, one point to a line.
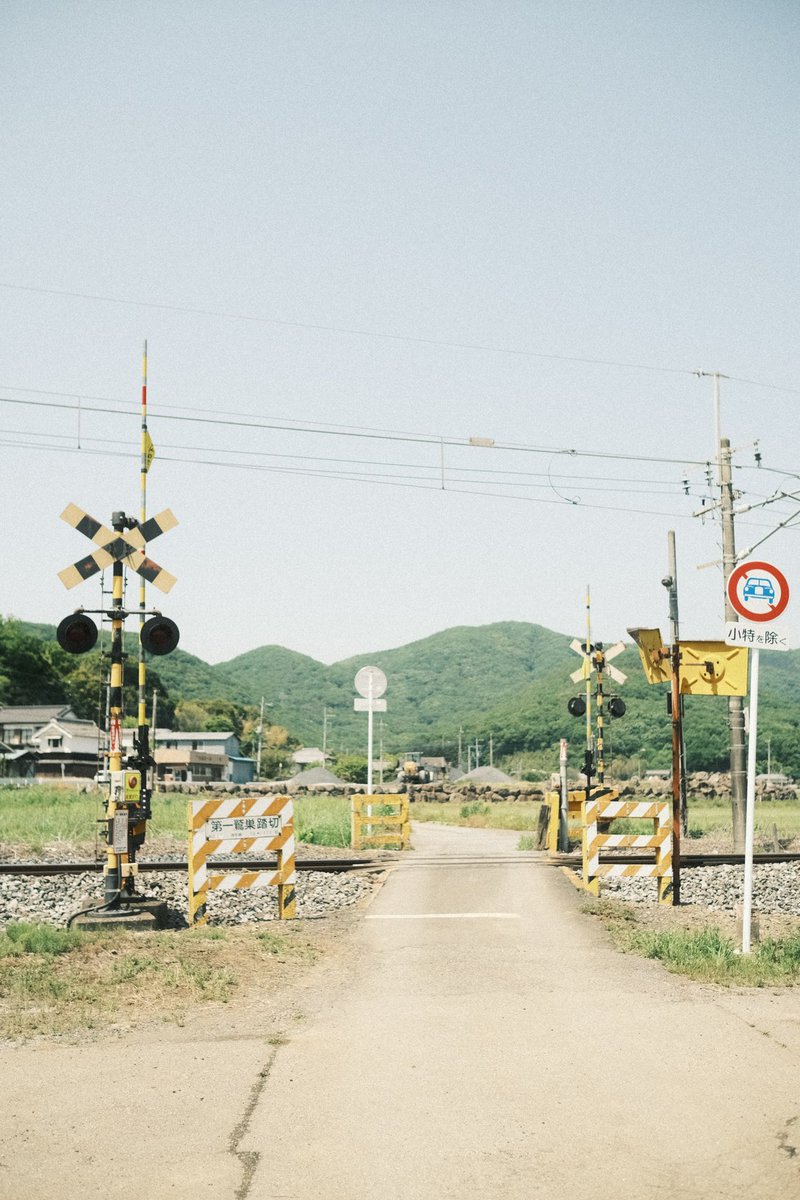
125 547
253 825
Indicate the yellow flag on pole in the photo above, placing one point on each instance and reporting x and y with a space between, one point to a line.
149 451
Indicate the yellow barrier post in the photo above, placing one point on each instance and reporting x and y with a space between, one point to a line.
396 825
601 811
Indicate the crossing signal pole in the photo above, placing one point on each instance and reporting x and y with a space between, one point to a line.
595 658
129 801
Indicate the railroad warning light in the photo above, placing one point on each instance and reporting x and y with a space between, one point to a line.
616 706
77 633
160 635
576 707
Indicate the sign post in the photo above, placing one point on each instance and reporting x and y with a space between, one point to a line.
370 683
759 593
563 837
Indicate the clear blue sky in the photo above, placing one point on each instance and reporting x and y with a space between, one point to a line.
445 220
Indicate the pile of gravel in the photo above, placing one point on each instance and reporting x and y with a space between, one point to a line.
776 888
52 899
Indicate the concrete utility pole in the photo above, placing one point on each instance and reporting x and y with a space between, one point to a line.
722 452
735 706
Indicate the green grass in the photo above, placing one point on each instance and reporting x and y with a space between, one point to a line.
706 955
36 817
55 981
522 815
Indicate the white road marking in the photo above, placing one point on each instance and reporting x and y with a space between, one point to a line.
459 916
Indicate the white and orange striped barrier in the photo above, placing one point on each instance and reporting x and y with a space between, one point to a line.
600 811
250 825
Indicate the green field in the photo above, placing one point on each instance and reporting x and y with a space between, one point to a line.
62 818
32 819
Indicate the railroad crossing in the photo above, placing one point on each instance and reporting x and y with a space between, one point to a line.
473 1034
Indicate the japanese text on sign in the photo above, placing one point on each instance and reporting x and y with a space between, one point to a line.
747 635
227 827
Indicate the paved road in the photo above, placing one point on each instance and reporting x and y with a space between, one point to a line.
486 1042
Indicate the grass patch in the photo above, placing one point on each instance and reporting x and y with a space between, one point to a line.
706 955
56 982
323 820
521 815
527 842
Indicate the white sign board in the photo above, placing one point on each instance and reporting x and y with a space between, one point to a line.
360 704
370 681
756 637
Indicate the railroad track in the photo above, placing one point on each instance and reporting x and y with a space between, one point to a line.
170 864
686 860
340 865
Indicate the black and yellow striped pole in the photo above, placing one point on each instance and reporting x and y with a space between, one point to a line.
113 868
147 453
599 663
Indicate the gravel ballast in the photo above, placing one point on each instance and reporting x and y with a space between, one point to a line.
776 888
52 899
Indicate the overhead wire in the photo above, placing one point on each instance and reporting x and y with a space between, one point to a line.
378 334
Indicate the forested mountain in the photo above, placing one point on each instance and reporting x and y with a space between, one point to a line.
508 682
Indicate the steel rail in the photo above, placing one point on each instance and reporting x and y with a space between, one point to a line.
230 864
686 860
340 865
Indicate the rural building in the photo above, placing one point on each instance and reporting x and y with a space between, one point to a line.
18 723
200 757
67 748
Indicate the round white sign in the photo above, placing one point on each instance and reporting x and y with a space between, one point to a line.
370 677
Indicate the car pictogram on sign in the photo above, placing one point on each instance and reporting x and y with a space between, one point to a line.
758 588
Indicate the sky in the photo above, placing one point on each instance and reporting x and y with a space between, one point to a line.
356 235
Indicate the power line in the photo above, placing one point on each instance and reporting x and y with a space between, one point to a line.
374 435
343 329
375 479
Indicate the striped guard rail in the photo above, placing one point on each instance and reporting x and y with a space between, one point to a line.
388 825
600 810
245 825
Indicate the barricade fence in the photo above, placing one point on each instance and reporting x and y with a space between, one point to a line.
597 814
250 825
381 821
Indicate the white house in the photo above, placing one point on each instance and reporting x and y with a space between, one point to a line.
67 748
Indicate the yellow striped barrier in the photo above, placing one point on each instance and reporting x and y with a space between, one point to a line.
574 814
600 811
387 824
255 825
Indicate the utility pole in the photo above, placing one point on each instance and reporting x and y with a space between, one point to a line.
260 740
722 450
670 582
735 706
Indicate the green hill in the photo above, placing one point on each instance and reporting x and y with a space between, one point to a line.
507 681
